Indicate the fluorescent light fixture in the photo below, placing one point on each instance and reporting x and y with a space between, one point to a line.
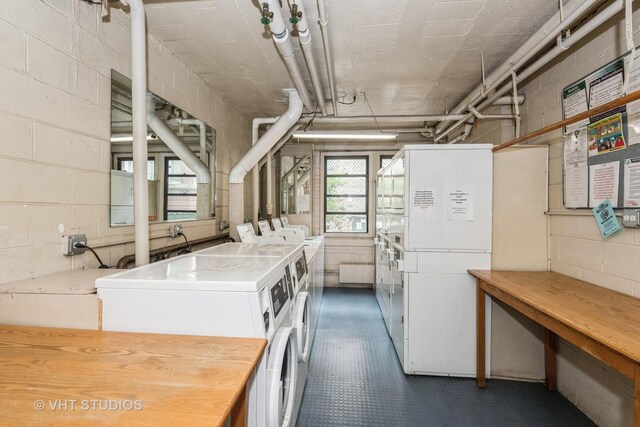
129 138
366 136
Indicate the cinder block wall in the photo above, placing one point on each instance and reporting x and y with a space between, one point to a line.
56 58
575 246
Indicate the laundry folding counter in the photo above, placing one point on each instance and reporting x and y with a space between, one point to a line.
603 323
80 377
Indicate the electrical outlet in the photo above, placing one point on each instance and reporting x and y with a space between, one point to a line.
175 230
69 242
631 218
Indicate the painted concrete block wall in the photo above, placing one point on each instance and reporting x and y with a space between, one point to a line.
56 58
575 246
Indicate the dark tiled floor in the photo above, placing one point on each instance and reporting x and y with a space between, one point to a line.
355 379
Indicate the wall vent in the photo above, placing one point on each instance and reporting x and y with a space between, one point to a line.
357 272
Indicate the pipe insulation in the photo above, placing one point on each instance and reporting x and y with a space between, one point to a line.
255 171
255 153
589 26
184 153
282 39
304 36
328 56
525 53
139 127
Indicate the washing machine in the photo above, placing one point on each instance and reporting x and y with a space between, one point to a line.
301 310
217 295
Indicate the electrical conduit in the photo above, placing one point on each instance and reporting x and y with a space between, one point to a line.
253 156
184 153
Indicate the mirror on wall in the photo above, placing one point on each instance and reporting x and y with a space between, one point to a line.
180 162
295 184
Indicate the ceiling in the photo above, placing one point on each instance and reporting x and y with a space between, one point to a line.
408 56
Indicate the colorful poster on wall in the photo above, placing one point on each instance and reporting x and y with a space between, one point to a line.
632 182
603 182
606 219
606 135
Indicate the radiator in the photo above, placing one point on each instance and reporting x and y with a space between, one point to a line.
357 272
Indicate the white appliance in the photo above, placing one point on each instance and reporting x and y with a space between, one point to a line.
434 217
248 235
304 228
218 295
301 307
291 235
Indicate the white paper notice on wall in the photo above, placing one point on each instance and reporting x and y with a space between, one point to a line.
459 203
632 182
424 203
603 183
303 203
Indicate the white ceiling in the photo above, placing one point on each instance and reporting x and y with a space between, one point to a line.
408 56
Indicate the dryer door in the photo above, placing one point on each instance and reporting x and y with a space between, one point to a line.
301 322
281 378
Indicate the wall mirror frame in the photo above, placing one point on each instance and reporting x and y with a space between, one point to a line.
181 163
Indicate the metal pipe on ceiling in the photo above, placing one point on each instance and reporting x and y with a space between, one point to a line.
328 57
539 41
282 39
304 36
606 14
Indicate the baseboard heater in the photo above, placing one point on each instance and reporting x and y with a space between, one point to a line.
357 272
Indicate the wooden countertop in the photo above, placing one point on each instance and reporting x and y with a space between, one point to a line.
608 317
83 377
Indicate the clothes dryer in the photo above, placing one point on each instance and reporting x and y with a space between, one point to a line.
301 308
218 295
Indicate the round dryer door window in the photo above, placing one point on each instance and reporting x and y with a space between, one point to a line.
301 323
282 372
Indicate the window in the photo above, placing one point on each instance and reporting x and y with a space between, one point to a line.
126 164
385 160
180 190
346 194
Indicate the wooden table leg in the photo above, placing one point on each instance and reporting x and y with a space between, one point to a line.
636 398
550 350
480 336
239 411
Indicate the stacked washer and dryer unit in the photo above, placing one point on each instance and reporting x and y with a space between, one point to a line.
238 290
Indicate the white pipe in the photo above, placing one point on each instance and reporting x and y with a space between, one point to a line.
255 171
540 40
253 156
581 32
202 171
282 39
328 57
269 187
508 100
139 126
307 50
479 115
280 143
387 119
203 135
465 133
516 107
